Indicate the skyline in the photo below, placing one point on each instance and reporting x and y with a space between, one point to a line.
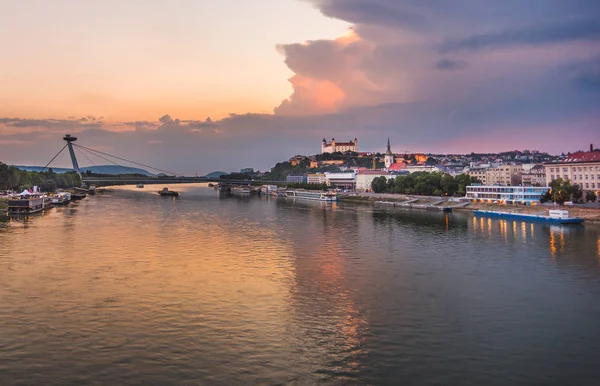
132 79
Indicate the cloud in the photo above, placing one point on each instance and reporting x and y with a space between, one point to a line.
433 75
556 32
448 64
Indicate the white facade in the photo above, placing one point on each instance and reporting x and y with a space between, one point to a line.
422 168
316 178
584 172
346 180
334 146
506 194
364 180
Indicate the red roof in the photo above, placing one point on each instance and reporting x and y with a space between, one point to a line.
397 166
580 157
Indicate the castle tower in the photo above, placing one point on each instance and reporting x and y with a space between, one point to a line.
355 144
333 145
389 156
323 145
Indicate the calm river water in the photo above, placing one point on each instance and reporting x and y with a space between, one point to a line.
129 288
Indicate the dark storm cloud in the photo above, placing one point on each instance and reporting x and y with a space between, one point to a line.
371 12
563 31
449 64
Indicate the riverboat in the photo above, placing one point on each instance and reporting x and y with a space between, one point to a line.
26 205
243 190
554 216
61 198
308 195
168 193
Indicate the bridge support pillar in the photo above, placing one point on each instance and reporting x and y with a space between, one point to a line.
70 141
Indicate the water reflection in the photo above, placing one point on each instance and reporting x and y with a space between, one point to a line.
127 287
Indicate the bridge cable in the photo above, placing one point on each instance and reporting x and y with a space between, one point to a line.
123 159
61 150
111 161
88 158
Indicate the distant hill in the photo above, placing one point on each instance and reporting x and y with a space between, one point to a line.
215 174
100 169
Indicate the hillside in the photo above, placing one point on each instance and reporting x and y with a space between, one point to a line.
99 169
215 174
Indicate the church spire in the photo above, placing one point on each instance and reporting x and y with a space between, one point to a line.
389 150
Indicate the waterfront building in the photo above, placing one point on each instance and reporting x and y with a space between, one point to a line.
364 178
529 195
505 175
341 180
534 176
581 168
296 179
423 168
389 156
316 178
334 146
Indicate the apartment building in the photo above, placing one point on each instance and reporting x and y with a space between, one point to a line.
581 168
504 175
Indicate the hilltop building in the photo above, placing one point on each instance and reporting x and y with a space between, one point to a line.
334 146
389 156
581 168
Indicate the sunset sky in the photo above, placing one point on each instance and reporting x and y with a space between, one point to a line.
196 86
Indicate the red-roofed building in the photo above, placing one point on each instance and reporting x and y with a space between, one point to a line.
581 168
397 166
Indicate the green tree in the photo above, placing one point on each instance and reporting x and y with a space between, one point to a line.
576 193
379 184
590 196
561 190
49 185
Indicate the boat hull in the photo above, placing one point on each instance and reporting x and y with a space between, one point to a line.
528 217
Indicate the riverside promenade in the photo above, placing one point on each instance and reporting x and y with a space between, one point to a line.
590 212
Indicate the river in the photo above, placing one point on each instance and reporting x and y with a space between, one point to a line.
127 288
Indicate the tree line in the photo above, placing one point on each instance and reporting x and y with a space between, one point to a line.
562 191
424 184
12 178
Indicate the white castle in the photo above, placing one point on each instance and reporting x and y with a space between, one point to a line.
334 146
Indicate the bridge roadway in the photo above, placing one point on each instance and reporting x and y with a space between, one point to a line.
159 180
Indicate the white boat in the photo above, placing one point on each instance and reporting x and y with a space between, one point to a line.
308 195
241 190
140 186
61 198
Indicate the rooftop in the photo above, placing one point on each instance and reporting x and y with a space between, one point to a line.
580 157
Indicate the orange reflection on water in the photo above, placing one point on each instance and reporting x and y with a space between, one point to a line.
552 244
489 226
531 230
523 230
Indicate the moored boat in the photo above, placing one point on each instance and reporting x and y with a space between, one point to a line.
168 193
308 195
61 198
140 186
26 205
554 216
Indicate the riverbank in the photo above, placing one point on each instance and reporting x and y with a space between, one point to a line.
590 215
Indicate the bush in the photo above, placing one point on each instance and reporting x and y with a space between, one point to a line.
590 197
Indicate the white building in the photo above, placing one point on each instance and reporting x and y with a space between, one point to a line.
581 168
423 168
365 178
389 156
341 180
334 146
316 178
507 194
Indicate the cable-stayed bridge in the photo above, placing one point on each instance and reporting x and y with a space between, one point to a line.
164 177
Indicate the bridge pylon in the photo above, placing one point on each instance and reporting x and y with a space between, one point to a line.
70 141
